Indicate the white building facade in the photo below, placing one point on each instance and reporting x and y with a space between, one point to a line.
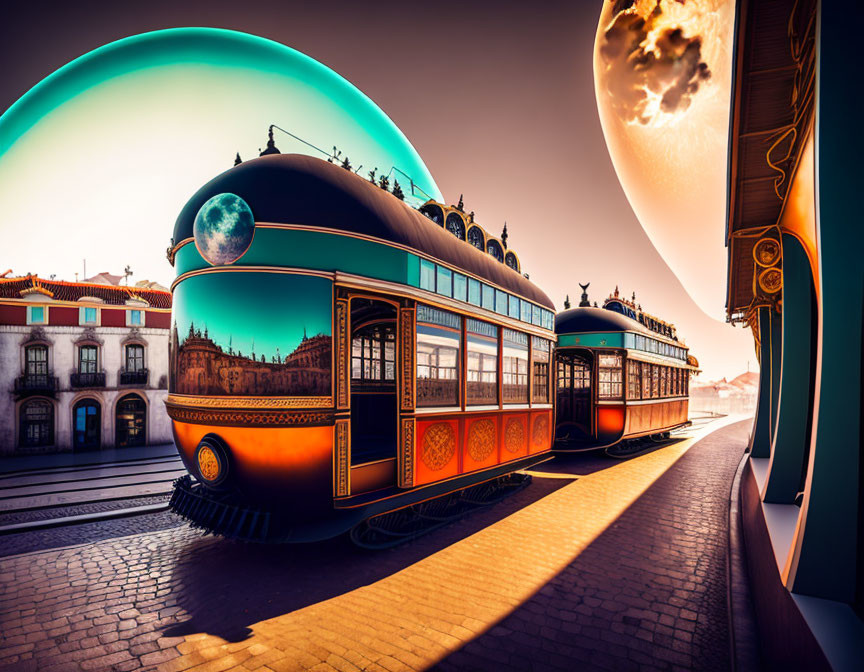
82 366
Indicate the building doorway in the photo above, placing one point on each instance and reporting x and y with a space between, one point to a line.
131 422
87 425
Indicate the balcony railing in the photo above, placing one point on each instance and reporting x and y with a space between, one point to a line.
138 377
36 383
88 379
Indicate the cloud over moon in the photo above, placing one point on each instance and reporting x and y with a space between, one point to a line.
653 67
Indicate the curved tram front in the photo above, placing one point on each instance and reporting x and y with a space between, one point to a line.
354 361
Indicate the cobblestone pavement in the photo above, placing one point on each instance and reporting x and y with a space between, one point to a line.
606 568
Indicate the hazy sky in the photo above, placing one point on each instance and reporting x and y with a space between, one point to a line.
497 99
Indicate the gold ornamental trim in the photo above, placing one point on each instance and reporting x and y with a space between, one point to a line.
439 446
262 403
767 252
481 439
514 435
249 418
771 280
407 331
342 459
406 462
540 433
343 340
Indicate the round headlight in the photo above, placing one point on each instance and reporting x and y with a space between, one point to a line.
211 459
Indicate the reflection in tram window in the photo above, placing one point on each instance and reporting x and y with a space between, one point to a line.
373 354
482 363
540 370
515 372
634 379
438 344
609 369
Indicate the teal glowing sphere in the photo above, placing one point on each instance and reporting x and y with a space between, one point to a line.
223 229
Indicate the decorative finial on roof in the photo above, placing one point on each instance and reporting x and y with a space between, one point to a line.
271 146
634 297
460 205
616 291
471 217
595 304
237 159
567 302
584 302
504 236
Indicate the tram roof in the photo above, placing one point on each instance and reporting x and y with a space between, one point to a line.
587 320
305 191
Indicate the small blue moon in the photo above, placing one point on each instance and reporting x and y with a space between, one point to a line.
223 229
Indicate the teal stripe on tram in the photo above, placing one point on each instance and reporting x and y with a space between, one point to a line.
598 340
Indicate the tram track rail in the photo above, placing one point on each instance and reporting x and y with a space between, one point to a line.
33 499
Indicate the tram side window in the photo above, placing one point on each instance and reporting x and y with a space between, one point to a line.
540 370
677 379
439 336
664 381
655 381
564 371
687 384
515 373
373 355
427 275
634 379
474 291
646 380
482 363
610 373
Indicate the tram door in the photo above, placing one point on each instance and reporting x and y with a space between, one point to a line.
373 387
573 390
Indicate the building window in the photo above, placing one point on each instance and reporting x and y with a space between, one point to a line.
87 315
609 370
373 354
515 369
36 360
540 370
634 379
36 423
134 318
482 363
37 315
134 358
439 336
87 358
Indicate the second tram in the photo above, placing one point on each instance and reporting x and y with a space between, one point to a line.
621 374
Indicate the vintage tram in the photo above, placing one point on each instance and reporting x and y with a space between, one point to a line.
337 356
621 375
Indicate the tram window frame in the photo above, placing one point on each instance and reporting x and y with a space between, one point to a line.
488 297
481 368
613 386
474 292
427 275
541 355
514 369
444 281
441 325
634 379
513 306
655 381
376 364
500 302
460 287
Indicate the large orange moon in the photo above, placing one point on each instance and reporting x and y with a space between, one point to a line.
662 78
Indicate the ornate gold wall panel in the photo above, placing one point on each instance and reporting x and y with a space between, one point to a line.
481 439
406 453
342 459
343 343
407 367
514 435
439 446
